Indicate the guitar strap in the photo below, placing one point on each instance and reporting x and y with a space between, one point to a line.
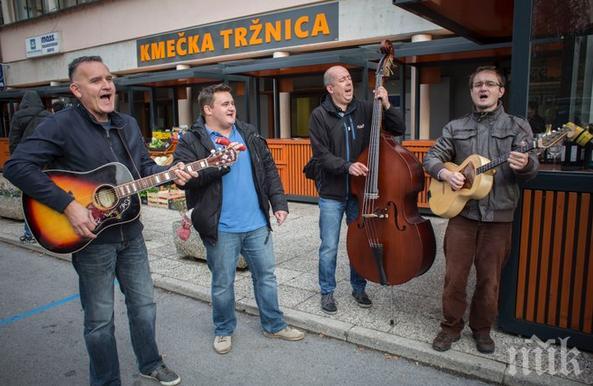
122 137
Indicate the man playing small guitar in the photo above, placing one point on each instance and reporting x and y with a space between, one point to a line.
481 233
78 139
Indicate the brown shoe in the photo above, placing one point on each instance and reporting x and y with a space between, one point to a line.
484 343
443 341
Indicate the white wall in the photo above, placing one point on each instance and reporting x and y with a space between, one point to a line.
110 29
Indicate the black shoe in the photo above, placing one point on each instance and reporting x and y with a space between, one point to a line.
362 299
328 304
484 343
27 239
164 375
443 341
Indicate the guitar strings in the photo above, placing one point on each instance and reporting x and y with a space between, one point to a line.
121 191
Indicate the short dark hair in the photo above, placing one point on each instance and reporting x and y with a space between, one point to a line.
206 96
499 75
81 59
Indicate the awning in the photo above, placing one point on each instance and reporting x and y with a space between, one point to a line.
482 21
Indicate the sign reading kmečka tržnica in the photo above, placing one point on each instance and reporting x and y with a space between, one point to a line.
308 25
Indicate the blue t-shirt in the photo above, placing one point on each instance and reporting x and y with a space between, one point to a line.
240 206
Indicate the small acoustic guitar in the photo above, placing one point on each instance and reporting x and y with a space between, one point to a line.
479 175
109 192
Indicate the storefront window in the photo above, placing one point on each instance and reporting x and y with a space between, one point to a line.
166 116
561 81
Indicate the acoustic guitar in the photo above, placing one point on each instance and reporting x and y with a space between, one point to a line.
479 175
109 192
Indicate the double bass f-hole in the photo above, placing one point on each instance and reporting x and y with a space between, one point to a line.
399 227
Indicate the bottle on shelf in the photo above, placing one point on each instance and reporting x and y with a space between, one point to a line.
574 156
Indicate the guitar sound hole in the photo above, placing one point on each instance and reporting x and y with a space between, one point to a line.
105 197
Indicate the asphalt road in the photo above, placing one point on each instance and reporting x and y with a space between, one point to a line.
41 340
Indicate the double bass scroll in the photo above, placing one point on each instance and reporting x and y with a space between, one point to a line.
389 242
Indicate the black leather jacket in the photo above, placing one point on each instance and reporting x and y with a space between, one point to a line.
204 193
72 140
338 139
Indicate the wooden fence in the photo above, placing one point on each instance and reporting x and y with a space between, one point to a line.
291 155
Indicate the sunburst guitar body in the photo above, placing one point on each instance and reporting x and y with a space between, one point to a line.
110 194
93 190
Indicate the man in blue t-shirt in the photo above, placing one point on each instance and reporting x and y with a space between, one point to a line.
230 210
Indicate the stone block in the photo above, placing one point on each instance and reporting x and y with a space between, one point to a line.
194 247
10 200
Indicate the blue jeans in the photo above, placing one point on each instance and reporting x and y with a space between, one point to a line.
98 265
256 248
27 231
331 213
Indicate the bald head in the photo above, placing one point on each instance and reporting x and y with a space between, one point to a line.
338 83
330 74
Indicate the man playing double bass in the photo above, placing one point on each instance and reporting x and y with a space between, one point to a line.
481 233
340 129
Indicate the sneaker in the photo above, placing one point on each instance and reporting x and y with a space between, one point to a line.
27 239
287 333
484 343
222 344
164 375
362 299
443 341
328 304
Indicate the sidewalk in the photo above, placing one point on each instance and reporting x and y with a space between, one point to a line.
416 304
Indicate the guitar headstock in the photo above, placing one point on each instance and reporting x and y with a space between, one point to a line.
555 136
573 130
223 157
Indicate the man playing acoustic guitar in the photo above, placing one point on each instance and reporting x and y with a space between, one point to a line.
481 233
81 138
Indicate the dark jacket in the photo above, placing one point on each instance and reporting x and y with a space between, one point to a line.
31 112
338 140
72 140
204 193
490 135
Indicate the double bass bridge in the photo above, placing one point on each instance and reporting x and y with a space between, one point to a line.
378 214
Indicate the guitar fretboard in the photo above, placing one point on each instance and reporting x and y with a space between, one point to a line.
502 159
547 141
136 186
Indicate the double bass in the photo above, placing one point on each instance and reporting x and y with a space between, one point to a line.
389 242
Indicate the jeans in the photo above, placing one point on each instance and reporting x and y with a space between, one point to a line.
331 213
98 265
256 248
27 231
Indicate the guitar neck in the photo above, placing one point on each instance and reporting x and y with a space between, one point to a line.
137 186
502 159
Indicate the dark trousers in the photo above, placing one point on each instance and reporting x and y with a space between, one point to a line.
486 245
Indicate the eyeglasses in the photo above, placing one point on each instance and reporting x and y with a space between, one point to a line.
488 84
